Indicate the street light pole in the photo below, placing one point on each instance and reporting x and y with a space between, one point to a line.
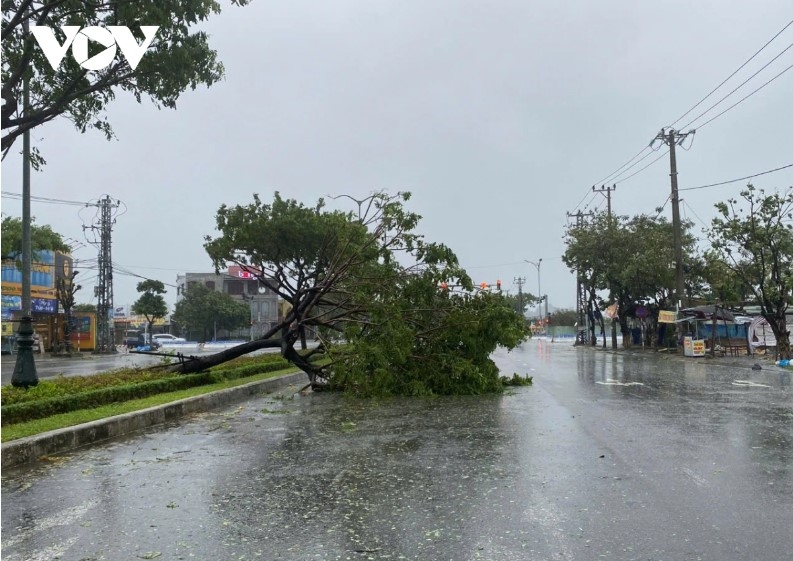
537 265
359 201
25 374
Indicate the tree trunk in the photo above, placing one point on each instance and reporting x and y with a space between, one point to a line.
206 362
626 334
286 343
778 325
603 329
613 334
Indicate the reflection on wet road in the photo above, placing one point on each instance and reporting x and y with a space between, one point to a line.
605 457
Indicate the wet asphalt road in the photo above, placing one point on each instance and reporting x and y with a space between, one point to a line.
87 364
618 457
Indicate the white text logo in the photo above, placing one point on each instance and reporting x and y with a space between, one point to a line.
110 37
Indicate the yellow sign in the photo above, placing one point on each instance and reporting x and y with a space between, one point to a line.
14 289
666 317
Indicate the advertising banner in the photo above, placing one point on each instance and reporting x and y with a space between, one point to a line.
666 317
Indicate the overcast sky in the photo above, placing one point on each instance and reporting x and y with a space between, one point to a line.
498 116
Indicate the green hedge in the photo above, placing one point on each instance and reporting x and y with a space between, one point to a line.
30 410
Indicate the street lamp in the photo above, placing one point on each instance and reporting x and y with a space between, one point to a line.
537 265
25 375
359 201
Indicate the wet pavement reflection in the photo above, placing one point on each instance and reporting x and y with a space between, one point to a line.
615 456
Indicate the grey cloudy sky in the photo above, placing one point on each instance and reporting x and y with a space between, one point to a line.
498 116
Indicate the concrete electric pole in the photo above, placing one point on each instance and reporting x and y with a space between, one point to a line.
519 281
581 301
673 138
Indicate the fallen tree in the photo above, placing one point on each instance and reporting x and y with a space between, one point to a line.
372 281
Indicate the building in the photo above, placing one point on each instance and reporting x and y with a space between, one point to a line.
49 270
240 285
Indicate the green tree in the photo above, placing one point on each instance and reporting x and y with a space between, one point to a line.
755 242
373 278
567 318
203 311
151 304
720 285
42 238
527 300
85 307
629 258
65 290
178 58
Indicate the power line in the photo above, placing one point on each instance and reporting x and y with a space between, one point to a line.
735 180
663 206
18 196
739 86
612 177
608 177
745 97
644 168
647 155
694 213
731 75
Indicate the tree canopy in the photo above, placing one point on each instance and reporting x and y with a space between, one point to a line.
42 238
151 304
749 260
178 58
375 280
202 311
628 257
753 237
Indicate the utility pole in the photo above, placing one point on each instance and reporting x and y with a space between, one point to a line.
672 138
537 264
104 291
519 281
607 191
581 303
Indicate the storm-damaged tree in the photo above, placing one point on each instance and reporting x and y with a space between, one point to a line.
755 241
178 58
151 304
371 278
203 311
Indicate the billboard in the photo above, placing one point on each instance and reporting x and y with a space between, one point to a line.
46 268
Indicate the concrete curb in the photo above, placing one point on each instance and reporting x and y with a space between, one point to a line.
30 448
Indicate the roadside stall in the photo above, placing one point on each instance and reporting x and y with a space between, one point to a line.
715 327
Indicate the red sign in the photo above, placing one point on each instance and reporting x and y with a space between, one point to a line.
239 272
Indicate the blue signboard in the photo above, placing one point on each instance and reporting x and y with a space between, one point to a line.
43 306
13 303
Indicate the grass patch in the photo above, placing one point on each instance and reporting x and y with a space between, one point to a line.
64 386
29 428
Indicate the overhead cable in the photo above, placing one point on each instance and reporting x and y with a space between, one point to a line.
731 75
735 180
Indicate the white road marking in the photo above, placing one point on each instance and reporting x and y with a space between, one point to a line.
62 518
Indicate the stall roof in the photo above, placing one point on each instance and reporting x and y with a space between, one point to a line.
707 312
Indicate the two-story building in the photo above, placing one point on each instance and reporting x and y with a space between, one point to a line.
241 285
